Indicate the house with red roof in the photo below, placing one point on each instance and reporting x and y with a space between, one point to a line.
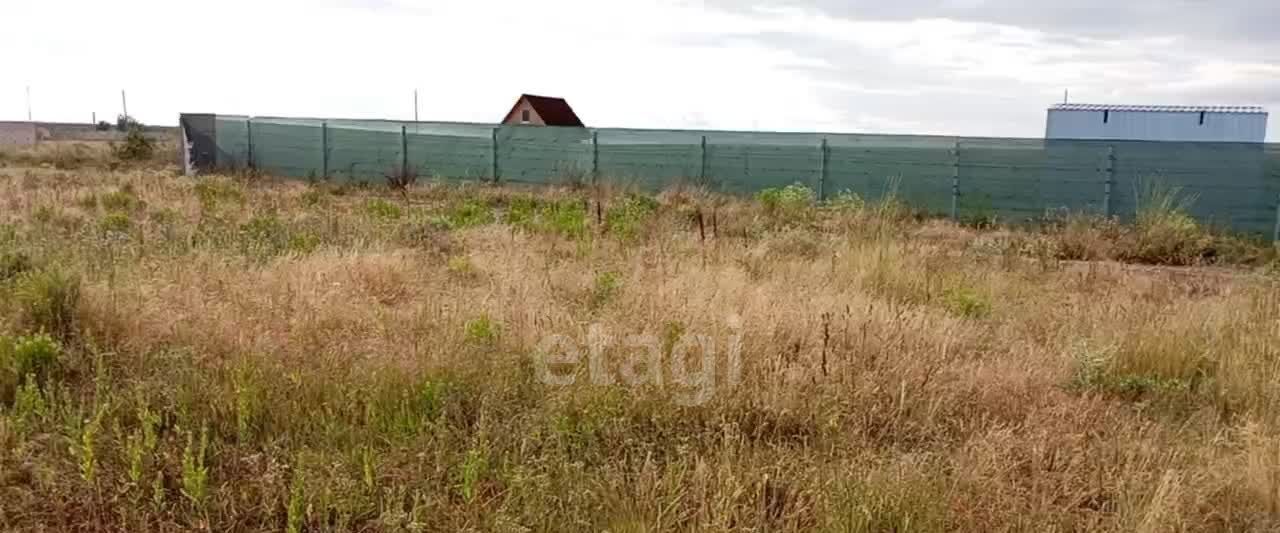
533 110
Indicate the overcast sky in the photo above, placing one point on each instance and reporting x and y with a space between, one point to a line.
964 67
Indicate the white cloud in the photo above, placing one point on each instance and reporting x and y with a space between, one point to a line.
658 64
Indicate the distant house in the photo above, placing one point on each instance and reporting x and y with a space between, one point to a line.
542 111
1157 123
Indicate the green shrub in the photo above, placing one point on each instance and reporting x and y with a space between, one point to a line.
606 286
119 200
136 146
481 330
35 355
624 218
1164 233
48 300
380 209
791 203
115 221
213 193
966 302
469 213
13 264
566 217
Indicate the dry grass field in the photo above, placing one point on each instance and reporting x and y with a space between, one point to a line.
235 353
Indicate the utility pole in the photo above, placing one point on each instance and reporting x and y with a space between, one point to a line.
124 103
28 103
415 105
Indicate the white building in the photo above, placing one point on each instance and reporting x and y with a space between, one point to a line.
1157 123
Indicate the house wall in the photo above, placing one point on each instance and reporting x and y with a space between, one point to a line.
17 134
1157 126
517 112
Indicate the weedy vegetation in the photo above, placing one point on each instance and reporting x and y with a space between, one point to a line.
223 354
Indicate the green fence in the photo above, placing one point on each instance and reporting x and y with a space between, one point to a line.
1233 185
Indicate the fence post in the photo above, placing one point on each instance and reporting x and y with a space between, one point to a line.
595 155
324 149
702 170
404 150
1110 175
493 139
822 171
248 132
1275 238
955 180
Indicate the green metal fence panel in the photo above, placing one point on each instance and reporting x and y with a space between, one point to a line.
1230 185
363 154
745 163
915 169
650 160
1225 184
535 154
1017 180
451 157
232 138
287 148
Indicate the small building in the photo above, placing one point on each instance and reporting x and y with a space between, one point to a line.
1234 124
536 110
18 133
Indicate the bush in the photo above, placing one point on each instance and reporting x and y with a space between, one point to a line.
793 202
379 209
1164 233
481 330
119 200
624 218
13 264
469 213
115 222
48 301
33 356
136 146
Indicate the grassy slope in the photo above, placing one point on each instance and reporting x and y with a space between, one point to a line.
259 356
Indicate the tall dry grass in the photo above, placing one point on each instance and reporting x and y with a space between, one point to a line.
224 354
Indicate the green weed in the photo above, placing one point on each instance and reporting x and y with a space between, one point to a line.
382 210
195 474
624 218
481 330
49 300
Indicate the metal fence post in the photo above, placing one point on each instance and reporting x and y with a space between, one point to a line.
324 149
702 170
1275 238
248 132
404 150
1110 175
822 171
955 180
595 155
493 139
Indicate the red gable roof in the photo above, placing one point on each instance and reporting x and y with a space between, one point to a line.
554 111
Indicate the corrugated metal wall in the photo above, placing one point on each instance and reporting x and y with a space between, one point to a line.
1156 126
